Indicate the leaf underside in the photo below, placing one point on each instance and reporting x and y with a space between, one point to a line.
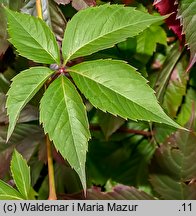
170 189
103 29
64 118
32 38
174 160
120 192
117 88
24 86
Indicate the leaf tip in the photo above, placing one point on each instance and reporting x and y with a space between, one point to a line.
9 133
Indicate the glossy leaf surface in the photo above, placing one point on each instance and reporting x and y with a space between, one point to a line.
116 87
32 38
64 118
103 29
21 174
24 86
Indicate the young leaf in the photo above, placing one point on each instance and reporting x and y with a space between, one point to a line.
64 119
25 85
103 29
9 193
116 87
21 174
32 38
170 7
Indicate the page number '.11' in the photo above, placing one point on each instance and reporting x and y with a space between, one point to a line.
186 207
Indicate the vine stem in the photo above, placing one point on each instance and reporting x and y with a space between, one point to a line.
39 9
52 190
95 127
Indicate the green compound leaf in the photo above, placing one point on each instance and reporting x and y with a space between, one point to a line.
106 26
9 193
64 119
24 86
116 87
32 38
21 174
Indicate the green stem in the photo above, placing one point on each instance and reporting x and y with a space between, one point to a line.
52 190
